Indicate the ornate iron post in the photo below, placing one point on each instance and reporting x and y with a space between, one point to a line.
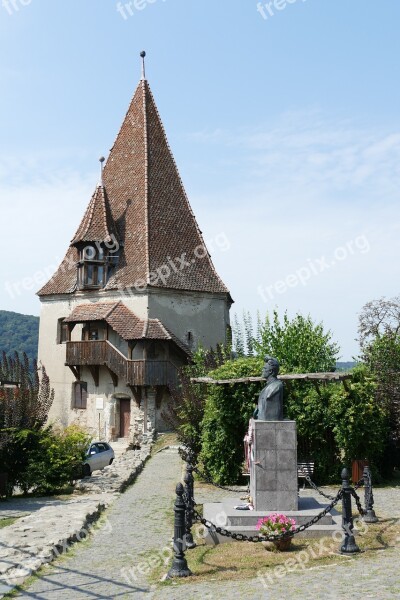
349 545
179 564
370 516
190 543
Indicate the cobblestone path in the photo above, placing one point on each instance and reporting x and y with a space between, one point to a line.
96 568
138 524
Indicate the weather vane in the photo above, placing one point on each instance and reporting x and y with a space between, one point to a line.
101 160
143 56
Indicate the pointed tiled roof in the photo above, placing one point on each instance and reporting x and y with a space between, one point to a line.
97 224
124 322
162 246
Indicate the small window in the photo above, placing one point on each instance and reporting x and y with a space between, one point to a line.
62 332
190 338
79 399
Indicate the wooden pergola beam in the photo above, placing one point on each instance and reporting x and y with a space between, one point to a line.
314 377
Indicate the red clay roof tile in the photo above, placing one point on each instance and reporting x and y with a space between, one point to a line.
124 322
146 201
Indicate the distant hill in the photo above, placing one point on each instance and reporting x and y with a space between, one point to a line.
345 366
19 333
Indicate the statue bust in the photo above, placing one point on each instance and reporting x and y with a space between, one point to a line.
270 400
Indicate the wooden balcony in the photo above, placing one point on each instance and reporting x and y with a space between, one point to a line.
132 372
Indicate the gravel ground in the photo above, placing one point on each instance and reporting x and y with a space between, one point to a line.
109 565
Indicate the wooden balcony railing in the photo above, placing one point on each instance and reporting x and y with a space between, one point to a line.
151 372
132 372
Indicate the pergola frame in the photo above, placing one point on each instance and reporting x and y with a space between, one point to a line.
314 378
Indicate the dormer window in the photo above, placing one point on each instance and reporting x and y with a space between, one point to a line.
92 267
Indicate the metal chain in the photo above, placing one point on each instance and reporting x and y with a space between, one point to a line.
241 537
314 485
317 489
358 502
211 482
359 483
206 478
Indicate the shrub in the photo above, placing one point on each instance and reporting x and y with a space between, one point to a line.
227 412
360 423
43 461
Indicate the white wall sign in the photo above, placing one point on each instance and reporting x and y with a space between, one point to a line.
99 403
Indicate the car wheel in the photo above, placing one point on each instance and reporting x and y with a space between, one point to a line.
86 471
111 461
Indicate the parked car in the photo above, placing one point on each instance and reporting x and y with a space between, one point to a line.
99 455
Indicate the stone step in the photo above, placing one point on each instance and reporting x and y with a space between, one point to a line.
120 447
251 519
315 531
225 515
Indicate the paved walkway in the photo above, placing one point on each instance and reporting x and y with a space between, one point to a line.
135 523
110 565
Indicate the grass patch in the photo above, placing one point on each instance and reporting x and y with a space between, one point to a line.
245 560
7 522
164 440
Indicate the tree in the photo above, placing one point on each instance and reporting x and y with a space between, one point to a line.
379 318
300 344
19 333
379 329
186 411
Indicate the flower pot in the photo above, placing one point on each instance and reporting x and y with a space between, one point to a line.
283 545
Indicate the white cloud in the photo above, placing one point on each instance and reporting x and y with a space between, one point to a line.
309 186
41 209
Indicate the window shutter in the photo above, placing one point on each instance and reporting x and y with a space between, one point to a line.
79 395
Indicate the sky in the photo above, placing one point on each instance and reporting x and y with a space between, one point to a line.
283 118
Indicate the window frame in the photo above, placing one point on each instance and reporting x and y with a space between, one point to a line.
62 331
93 263
79 402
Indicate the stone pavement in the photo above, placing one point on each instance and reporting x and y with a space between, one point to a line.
110 565
106 566
48 525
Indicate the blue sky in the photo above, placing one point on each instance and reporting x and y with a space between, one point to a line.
286 131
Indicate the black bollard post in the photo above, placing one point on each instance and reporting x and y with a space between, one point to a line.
179 564
190 543
349 545
370 516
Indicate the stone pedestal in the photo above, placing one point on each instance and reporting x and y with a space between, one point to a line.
273 473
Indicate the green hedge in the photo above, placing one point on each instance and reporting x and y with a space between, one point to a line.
335 425
227 412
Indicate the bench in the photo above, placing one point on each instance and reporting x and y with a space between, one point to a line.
303 468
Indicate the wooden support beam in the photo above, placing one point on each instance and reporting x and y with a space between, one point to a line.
114 377
159 395
346 386
95 371
315 383
137 394
145 410
76 371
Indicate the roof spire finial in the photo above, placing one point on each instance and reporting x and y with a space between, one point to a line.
101 160
143 56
